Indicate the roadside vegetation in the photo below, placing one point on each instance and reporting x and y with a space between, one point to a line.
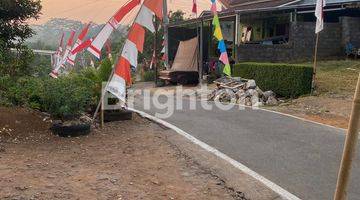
65 97
331 103
337 78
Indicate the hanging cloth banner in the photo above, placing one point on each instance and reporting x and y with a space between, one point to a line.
319 14
82 35
137 36
68 49
194 8
222 46
156 6
113 23
213 8
130 53
133 44
224 58
122 75
62 60
219 36
59 51
145 19
82 46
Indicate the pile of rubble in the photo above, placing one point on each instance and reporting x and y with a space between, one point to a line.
243 92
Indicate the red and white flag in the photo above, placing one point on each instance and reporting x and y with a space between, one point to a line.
68 49
319 14
82 35
111 25
137 36
156 6
145 18
63 59
133 45
59 51
130 53
194 8
82 46
122 75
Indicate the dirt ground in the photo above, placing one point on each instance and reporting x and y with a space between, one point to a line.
327 110
125 160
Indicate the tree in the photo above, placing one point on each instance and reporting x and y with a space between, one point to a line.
14 30
13 16
177 16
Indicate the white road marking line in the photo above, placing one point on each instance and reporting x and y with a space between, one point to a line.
276 188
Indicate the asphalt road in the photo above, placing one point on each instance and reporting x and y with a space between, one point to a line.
301 157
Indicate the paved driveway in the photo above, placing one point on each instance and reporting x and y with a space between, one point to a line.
301 157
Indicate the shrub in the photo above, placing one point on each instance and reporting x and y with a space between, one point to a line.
148 76
286 80
24 91
6 82
68 97
105 69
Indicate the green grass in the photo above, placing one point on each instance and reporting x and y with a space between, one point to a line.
338 77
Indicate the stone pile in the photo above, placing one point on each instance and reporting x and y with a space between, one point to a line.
243 92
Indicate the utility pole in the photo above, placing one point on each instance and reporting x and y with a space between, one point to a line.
166 33
349 148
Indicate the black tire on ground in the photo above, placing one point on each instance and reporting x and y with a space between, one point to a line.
70 130
119 115
182 80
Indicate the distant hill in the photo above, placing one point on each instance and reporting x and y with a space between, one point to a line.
48 35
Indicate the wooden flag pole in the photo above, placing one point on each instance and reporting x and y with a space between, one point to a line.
349 148
166 33
313 83
155 53
102 114
112 73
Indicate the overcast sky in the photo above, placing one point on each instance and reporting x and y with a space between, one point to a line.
99 11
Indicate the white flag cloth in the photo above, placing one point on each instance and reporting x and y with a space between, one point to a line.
145 18
112 25
117 86
99 41
319 13
65 57
72 57
130 52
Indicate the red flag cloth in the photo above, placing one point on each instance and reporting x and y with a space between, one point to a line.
71 39
119 15
137 36
113 23
123 70
82 46
84 32
194 8
156 6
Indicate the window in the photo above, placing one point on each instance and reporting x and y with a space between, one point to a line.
267 30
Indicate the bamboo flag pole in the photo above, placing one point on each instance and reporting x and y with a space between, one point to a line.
166 32
349 148
313 83
113 71
155 53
